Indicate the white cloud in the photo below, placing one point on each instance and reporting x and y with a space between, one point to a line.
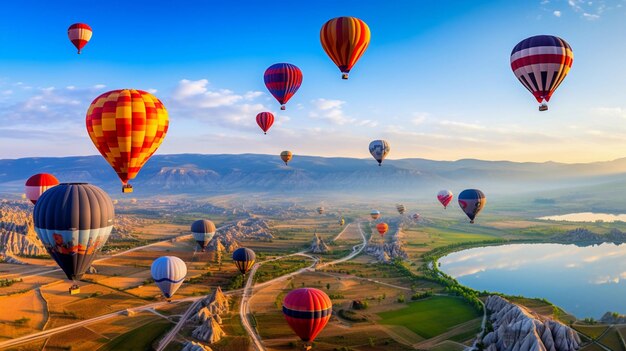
557 13
590 16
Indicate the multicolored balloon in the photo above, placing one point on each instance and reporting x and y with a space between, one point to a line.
379 150
74 220
345 39
375 214
541 63
401 209
38 184
472 202
307 311
286 156
416 216
168 273
127 126
342 221
202 231
79 34
320 210
244 259
382 228
445 196
265 121
283 80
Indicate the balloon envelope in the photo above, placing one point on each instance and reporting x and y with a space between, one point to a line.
472 202
127 126
445 196
286 156
342 221
345 39
382 228
38 184
307 311
73 220
379 150
320 210
401 209
541 63
79 34
244 259
265 121
375 214
168 273
283 80
202 231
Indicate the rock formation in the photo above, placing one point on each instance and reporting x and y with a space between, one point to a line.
518 329
585 237
318 245
195 346
17 233
613 318
208 331
208 318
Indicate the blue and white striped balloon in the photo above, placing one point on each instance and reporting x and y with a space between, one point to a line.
168 273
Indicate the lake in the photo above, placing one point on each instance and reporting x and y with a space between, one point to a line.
587 217
585 281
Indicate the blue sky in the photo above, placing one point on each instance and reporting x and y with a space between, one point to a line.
435 81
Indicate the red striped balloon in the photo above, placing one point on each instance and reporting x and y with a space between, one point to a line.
37 184
265 121
307 311
283 80
79 34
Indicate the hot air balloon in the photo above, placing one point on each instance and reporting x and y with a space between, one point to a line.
37 184
445 196
79 34
244 259
73 220
400 208
342 221
416 216
283 80
168 273
320 210
265 121
127 126
375 214
307 311
472 202
345 39
382 228
202 231
286 156
379 150
541 63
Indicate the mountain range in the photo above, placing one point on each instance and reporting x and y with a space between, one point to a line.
222 174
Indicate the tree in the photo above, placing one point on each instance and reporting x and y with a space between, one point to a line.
327 286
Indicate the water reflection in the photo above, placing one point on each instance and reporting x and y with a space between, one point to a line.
586 217
586 281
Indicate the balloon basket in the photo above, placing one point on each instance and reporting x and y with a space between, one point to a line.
282 107
344 76
74 289
543 107
127 188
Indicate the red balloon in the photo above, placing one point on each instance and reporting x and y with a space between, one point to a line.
382 228
265 121
307 311
37 184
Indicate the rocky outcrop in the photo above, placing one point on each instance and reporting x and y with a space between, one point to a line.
208 318
246 229
391 249
318 245
516 328
209 331
613 318
585 237
17 233
195 346
217 303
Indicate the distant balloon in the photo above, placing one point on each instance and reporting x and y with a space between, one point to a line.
127 126
375 214
79 34
73 220
472 202
283 80
168 273
342 221
203 231
445 196
541 63
382 228
416 216
320 210
307 311
265 121
38 184
244 259
286 156
401 209
345 39
379 150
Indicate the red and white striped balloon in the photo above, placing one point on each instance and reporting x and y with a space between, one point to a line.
37 184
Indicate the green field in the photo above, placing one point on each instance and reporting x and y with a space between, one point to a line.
138 339
431 317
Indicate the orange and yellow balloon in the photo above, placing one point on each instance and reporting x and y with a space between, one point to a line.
345 39
127 126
